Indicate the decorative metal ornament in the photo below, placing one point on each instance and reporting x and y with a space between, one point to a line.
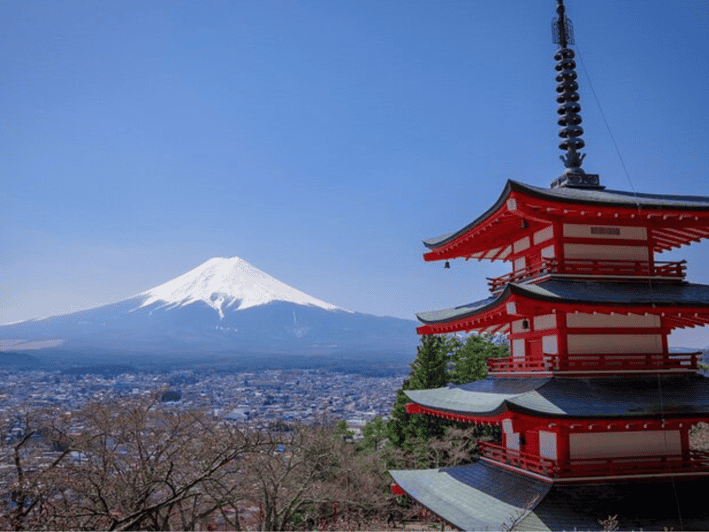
569 106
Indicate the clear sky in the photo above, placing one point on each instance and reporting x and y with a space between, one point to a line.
321 141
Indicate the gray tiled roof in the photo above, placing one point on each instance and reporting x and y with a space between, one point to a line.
638 505
473 497
484 497
443 315
484 397
573 397
590 292
615 197
583 196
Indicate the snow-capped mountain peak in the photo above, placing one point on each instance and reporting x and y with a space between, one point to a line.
222 283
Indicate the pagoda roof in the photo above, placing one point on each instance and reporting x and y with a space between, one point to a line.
478 238
575 295
572 397
473 497
481 496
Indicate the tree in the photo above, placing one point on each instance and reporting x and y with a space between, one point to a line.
427 441
316 477
127 466
373 434
28 463
429 370
144 465
469 363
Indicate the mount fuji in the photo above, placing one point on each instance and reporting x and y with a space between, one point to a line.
224 307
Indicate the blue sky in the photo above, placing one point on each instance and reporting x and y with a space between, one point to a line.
320 141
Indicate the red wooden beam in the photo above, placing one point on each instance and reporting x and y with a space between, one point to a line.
413 408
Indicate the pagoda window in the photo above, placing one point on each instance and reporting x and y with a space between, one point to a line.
544 322
547 445
520 264
606 252
592 344
620 444
521 245
550 345
548 252
543 235
605 232
510 437
518 347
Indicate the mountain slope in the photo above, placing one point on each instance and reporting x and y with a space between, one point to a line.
224 306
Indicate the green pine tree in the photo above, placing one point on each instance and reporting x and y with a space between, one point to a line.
469 363
373 434
440 360
429 370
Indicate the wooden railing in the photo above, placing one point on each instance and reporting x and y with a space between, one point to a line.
592 268
529 462
691 462
519 364
594 363
694 461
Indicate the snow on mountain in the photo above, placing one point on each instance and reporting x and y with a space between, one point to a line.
222 283
225 307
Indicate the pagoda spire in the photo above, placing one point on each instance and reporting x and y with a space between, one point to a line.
569 106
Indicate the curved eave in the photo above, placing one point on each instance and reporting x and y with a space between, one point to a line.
475 496
488 314
457 244
684 305
589 398
478 406
616 198
482 496
676 220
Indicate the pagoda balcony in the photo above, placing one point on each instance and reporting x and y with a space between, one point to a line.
603 363
691 463
591 268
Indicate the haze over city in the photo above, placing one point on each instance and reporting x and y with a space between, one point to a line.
318 141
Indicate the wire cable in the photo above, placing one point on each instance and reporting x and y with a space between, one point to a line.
608 128
650 282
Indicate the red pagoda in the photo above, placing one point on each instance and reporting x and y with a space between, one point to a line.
595 409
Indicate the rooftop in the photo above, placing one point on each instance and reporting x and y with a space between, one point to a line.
608 397
483 497
583 196
597 295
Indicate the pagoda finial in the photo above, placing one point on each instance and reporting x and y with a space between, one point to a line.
569 107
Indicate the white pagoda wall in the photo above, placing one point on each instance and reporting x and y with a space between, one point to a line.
605 342
605 249
582 319
610 444
605 232
602 344
606 252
